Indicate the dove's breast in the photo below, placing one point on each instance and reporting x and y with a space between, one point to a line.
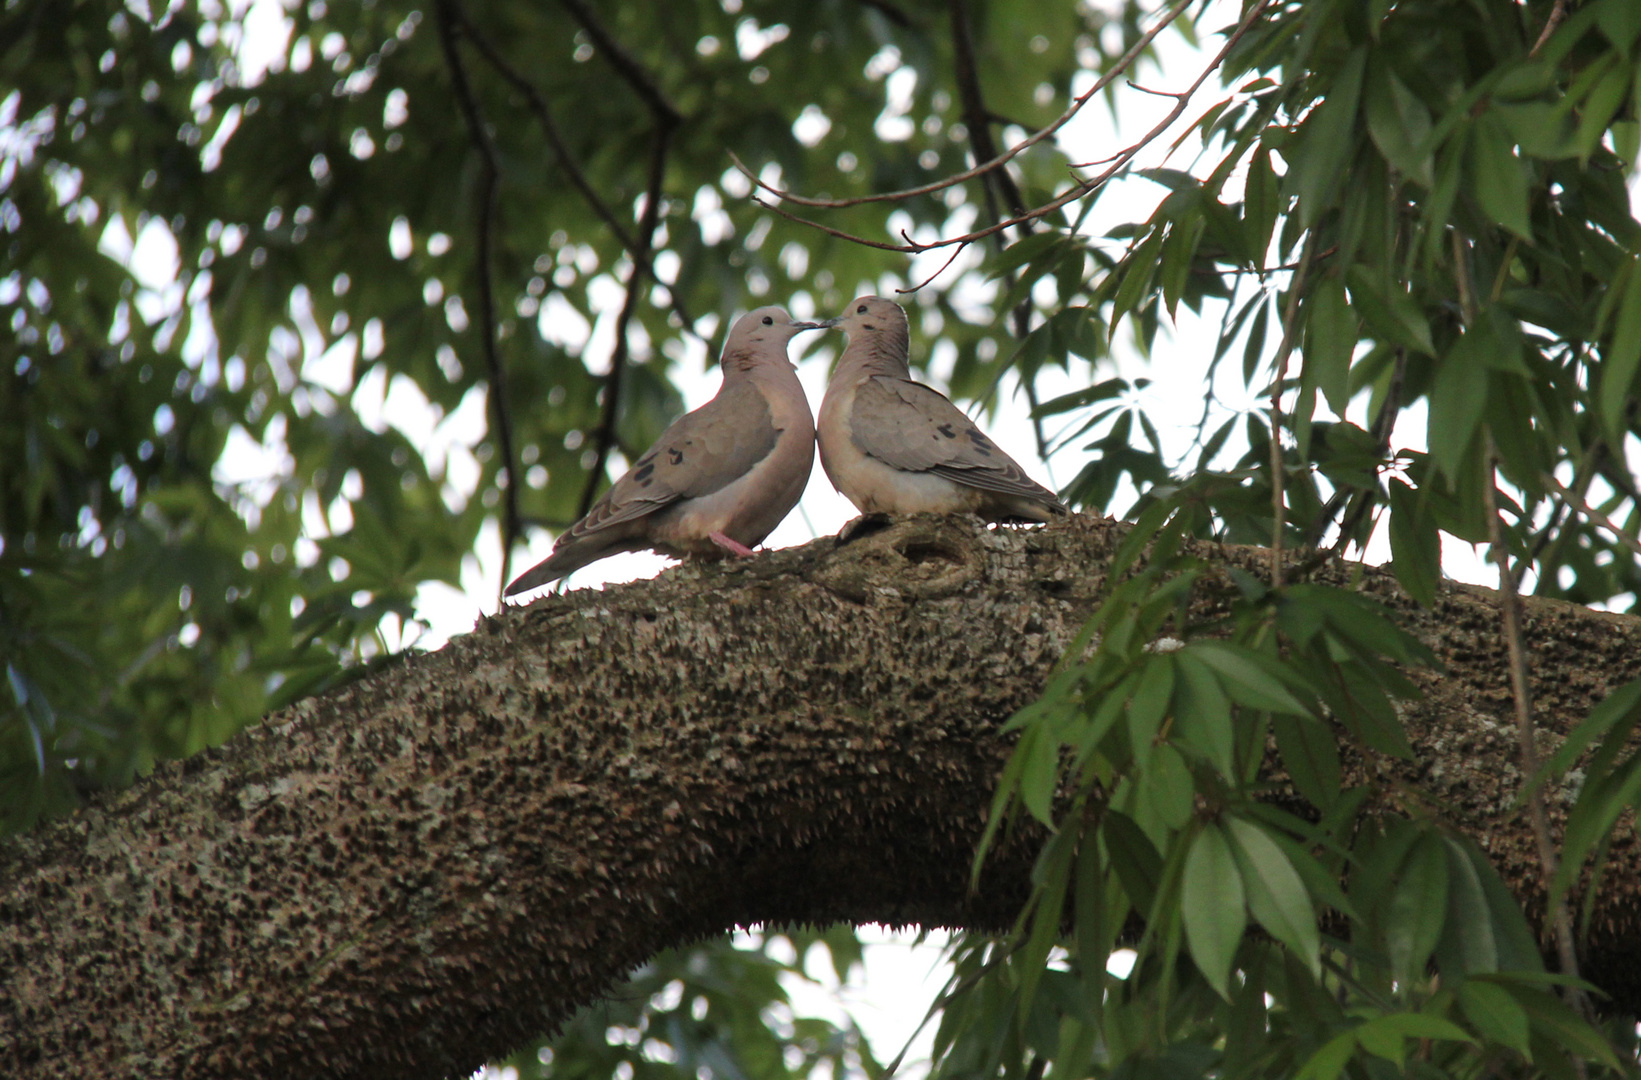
873 485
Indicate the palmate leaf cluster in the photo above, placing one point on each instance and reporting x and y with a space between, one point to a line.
1413 218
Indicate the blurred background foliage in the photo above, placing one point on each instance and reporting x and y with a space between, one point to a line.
228 231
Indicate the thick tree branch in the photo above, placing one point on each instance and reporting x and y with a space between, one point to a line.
419 870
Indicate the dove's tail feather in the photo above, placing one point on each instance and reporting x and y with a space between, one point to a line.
565 560
1025 508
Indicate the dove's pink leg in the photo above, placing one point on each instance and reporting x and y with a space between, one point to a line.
734 547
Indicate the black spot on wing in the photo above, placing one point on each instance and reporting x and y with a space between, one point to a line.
675 455
947 430
643 474
981 443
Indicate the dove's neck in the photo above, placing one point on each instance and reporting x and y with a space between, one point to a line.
738 363
881 352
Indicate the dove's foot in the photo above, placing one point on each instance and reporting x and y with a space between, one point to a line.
734 547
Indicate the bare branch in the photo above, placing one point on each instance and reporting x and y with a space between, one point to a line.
1077 191
943 268
1510 610
604 438
666 114
997 161
890 12
978 119
1557 14
450 17
1590 513
567 160
1290 319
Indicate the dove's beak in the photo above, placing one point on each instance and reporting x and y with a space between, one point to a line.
824 324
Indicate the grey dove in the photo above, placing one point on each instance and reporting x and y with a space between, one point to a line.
720 478
892 445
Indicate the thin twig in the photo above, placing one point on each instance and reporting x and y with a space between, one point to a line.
1263 270
977 118
643 84
890 12
605 437
1510 609
1557 14
567 161
1079 190
1591 514
1552 536
479 132
1290 319
1383 426
997 161
925 282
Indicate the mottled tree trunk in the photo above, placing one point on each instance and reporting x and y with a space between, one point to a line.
426 867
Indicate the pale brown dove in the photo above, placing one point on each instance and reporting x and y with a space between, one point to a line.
720 478
891 445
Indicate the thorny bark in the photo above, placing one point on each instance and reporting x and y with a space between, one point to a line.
422 869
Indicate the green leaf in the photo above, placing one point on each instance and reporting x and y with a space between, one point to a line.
1178 251
1468 944
1246 677
1495 1014
1026 249
1167 783
1548 1016
1150 704
1330 340
1276 894
1136 280
1383 1036
1260 203
1622 357
1603 102
1327 141
1415 546
1457 399
1059 858
1398 121
1418 907
1133 857
1039 752
1620 21
1214 907
1497 177
1311 756
1390 312
1202 713
1328 1062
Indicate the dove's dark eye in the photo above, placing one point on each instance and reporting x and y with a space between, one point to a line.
769 320
861 310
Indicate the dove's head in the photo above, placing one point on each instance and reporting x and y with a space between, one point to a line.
878 331
760 337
